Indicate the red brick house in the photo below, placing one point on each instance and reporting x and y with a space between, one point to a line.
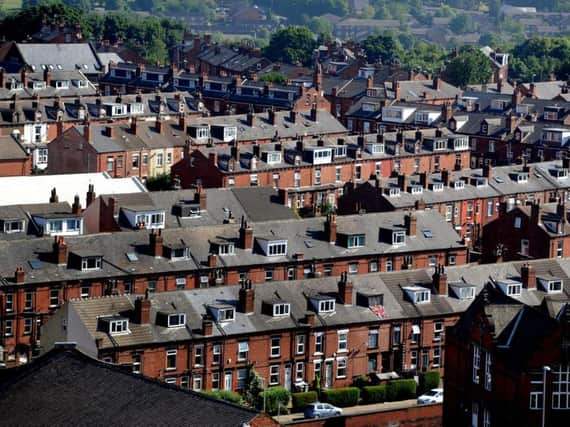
14 160
507 358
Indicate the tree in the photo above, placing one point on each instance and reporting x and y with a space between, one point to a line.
294 44
470 67
274 77
384 48
320 26
461 24
253 387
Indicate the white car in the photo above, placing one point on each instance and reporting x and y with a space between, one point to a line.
435 395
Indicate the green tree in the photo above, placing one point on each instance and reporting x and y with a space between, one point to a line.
294 44
462 24
384 48
274 77
470 67
320 26
253 387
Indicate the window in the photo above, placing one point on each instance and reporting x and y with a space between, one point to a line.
243 349
145 159
215 381
358 172
416 332
8 328
475 414
297 179
216 353
226 314
29 300
341 368
398 237
396 334
373 338
176 320
134 161
488 373
486 418
197 382
253 179
561 387
524 246
319 342
476 363
91 263
436 357
414 359
432 261
168 158
117 327
159 160
326 306
180 283
110 164
373 266
338 174
299 371
274 374
343 340
53 297
13 226
438 330
300 344
9 302
268 275
27 326
275 346
152 285
389 265
560 248
425 359
317 177
490 206
170 360
281 309
277 249
448 213
353 268
136 364
452 259
355 241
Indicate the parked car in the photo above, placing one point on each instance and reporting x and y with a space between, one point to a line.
319 410
435 395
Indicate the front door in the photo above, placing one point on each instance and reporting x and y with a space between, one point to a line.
288 377
228 381
329 375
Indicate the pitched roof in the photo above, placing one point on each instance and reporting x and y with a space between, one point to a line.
66 387
71 56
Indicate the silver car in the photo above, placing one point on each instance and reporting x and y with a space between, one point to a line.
320 410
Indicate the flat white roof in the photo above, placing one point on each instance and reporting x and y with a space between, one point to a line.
19 190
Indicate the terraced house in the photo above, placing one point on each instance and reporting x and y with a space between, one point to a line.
40 274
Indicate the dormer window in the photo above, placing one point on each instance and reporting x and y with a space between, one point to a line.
522 109
520 177
416 189
484 128
12 225
62 84
459 143
498 104
398 238
339 151
38 85
479 182
559 173
422 117
437 187
417 294
322 156
91 263
226 249
272 157
273 247
459 185
223 313
375 148
150 219
119 327
136 108
394 192
439 144
353 240
511 288
281 309
463 292
327 306
179 253
551 285
176 320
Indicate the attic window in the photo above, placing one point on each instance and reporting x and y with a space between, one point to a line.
416 189
91 263
511 288
272 157
119 327
13 226
281 309
355 241
176 320
62 84
417 294
459 185
559 173
551 285
437 187
326 306
226 249
179 253
479 182
467 292
225 314
394 192
521 177
427 234
398 238
339 151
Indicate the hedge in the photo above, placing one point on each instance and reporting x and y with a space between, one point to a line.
428 380
273 397
341 397
226 395
400 390
300 400
374 394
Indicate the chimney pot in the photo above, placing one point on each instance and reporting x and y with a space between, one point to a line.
76 207
246 298
439 279
142 310
90 195
156 243
20 275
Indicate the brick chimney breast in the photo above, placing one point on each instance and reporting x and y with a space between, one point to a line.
20 275
142 310
90 195
60 250
246 298
528 276
345 288
330 228
439 280
156 243
76 207
207 327
410 221
246 235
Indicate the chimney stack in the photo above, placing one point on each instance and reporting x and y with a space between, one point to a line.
535 213
250 117
271 116
47 77
528 276
403 182
212 260
207 327
330 228
246 297
159 126
234 151
110 131
201 197
3 78
25 77
439 280
314 114
142 310
90 195
60 250
182 122
396 89
245 235
517 96
410 221
310 319
293 116
20 275
76 207
134 126
445 177
512 122
345 288
437 83
53 197
487 171
424 180
87 132
155 240
561 210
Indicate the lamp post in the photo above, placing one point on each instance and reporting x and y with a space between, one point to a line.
545 369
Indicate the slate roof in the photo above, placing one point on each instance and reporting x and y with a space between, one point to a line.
10 149
66 387
71 56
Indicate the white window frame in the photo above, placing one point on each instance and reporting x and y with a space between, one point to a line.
177 320
327 306
275 346
342 336
341 367
281 309
169 354
274 375
476 364
319 342
243 351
